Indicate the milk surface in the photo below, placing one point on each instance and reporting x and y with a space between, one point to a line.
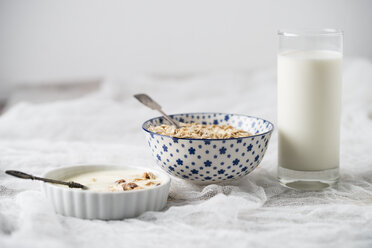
309 109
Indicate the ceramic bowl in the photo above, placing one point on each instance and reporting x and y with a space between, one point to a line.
87 204
206 161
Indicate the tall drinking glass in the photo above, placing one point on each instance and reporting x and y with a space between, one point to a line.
309 107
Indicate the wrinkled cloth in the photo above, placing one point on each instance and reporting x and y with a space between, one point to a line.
254 211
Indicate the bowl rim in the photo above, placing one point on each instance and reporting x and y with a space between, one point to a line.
252 136
77 191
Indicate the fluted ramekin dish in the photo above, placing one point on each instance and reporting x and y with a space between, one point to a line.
88 204
207 161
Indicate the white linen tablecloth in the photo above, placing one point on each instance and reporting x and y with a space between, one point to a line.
256 211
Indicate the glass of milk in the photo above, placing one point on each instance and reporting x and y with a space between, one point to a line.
309 107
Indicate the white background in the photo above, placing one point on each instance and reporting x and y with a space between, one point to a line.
78 39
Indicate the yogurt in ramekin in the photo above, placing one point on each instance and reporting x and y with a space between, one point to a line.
108 196
116 180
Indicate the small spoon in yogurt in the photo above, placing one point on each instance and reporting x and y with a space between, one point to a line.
23 175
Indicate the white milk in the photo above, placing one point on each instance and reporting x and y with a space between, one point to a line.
309 109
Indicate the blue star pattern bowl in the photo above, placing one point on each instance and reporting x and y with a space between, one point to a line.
206 161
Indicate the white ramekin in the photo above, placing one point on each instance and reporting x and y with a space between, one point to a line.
87 204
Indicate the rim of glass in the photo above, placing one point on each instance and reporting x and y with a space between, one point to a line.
295 32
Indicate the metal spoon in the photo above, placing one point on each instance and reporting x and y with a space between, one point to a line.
147 101
23 175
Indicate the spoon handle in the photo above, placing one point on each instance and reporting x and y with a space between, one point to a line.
149 102
169 118
23 175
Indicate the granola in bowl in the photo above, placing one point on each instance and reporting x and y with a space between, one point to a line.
200 131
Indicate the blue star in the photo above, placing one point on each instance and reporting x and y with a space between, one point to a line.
227 117
207 178
179 162
236 161
171 168
175 140
207 163
222 150
221 171
249 148
191 150
194 171
165 148
256 158
207 142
